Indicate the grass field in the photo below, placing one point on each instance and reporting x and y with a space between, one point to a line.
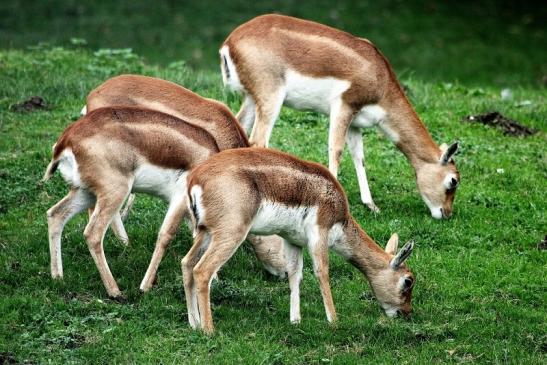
480 291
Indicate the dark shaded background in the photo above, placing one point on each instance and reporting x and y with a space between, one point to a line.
488 42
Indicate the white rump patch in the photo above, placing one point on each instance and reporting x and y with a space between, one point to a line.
196 201
68 166
83 111
311 93
230 78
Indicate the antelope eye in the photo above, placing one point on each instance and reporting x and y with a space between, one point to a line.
408 283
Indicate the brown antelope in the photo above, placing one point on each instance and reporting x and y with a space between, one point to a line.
111 152
275 60
264 192
170 98
209 114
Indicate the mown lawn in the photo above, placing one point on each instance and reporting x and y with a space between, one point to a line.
480 291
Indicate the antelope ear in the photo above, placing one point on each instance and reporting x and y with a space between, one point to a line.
402 255
448 153
391 247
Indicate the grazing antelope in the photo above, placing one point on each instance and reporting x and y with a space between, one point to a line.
275 60
264 192
170 98
111 152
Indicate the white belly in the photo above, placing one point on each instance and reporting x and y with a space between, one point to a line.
158 181
292 223
310 93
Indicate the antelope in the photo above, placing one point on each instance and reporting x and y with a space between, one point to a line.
115 128
170 98
111 152
262 192
276 60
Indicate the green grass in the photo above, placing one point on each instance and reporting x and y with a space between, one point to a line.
480 291
497 42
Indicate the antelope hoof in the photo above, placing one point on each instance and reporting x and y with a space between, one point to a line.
373 207
118 296
56 276
124 241
209 330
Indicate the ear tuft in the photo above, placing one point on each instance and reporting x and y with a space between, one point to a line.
392 244
448 153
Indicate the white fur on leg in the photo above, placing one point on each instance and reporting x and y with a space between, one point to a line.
355 144
58 216
294 258
128 205
119 229
246 115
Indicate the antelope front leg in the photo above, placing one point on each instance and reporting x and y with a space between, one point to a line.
320 258
73 203
128 205
246 115
119 229
355 144
168 230
294 259
341 116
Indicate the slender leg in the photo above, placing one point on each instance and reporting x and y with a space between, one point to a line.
246 114
268 107
355 143
201 242
169 228
119 229
106 206
74 202
116 225
320 257
128 205
222 246
294 258
341 116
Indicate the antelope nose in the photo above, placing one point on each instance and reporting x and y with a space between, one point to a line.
447 213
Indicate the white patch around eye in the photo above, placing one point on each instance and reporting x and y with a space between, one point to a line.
448 181
401 283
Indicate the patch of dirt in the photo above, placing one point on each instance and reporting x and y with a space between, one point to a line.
9 358
34 103
495 119
543 244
